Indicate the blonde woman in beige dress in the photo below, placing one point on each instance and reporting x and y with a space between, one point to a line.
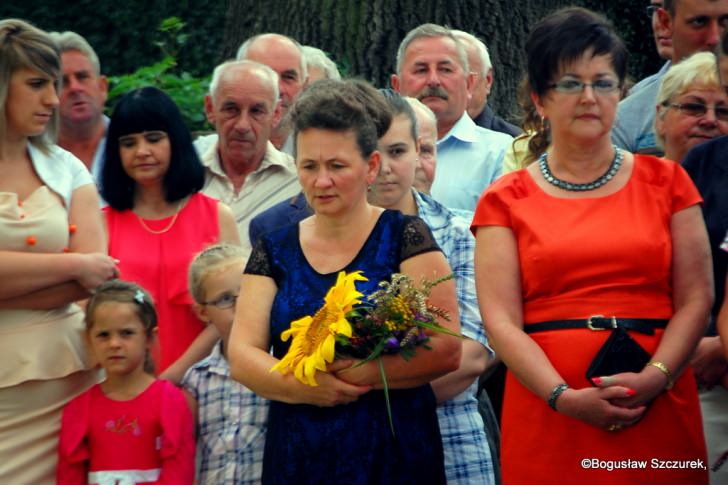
52 253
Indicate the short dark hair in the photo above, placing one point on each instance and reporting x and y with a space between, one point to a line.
150 109
350 105
564 37
399 106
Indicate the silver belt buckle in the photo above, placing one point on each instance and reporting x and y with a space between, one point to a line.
596 329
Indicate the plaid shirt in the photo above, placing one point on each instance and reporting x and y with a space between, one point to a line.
467 456
231 424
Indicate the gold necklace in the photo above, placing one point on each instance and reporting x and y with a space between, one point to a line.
165 229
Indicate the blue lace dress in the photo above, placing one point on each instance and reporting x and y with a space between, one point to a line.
350 443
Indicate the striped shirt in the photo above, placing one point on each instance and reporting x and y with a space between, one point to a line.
273 181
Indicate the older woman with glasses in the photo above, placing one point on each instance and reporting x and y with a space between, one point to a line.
691 106
593 277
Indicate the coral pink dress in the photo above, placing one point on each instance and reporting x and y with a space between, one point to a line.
609 256
146 440
156 254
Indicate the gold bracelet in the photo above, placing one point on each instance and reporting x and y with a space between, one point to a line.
663 368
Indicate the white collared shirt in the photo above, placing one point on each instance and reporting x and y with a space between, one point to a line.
273 181
469 159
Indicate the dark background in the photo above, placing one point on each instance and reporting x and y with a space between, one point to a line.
361 36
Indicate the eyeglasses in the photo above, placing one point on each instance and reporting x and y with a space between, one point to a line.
574 86
652 10
224 302
698 110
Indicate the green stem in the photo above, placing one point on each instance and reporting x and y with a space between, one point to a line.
386 394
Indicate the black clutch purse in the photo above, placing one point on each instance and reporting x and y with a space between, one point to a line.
620 353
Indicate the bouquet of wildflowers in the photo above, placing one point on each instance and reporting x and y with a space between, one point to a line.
392 320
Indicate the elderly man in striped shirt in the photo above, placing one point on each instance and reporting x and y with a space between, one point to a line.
244 169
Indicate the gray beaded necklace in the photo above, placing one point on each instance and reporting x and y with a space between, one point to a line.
606 177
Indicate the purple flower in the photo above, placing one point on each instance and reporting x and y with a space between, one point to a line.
392 343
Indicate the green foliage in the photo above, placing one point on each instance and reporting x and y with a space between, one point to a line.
344 66
186 90
123 33
171 36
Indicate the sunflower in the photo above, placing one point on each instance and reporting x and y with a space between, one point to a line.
314 337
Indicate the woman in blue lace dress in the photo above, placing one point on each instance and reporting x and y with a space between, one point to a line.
338 431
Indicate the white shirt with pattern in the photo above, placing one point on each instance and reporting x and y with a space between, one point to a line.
273 181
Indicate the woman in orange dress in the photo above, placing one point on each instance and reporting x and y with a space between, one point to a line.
157 219
589 230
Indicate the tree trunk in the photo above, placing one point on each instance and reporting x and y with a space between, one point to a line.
242 19
363 36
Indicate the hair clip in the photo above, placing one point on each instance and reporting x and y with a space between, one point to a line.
139 297
12 30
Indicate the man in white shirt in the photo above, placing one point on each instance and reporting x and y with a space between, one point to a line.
243 168
81 108
432 66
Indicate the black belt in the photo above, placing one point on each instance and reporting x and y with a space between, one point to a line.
598 322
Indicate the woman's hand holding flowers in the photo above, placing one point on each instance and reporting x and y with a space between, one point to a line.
360 374
331 389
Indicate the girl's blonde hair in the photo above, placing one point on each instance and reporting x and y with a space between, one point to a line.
25 46
211 259
119 291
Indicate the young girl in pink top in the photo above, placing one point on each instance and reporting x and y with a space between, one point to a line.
131 428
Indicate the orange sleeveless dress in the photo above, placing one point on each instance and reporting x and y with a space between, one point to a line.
159 262
608 256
